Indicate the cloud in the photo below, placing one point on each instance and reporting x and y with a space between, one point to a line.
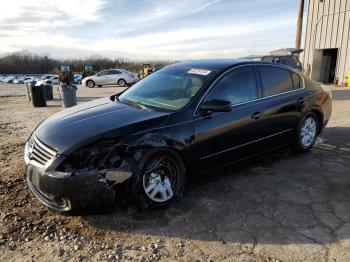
146 28
45 15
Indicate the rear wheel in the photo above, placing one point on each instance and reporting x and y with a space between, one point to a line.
90 84
122 82
307 133
162 181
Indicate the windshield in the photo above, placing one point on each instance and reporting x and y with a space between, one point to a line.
88 68
168 89
65 68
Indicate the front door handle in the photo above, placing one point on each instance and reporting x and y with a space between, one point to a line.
301 101
257 115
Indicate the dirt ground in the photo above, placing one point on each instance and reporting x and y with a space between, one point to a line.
277 207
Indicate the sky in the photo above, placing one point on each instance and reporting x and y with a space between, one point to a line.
147 29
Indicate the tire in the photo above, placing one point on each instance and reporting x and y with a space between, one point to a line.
160 169
90 83
307 132
122 82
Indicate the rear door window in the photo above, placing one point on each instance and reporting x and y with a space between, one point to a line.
114 72
275 80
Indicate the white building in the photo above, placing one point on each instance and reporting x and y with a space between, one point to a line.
327 49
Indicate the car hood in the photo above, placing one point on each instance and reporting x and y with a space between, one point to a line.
85 123
89 77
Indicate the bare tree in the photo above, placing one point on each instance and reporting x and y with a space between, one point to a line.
25 62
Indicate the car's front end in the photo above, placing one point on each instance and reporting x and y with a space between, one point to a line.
85 80
63 189
74 160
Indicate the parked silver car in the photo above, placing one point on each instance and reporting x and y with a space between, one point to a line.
111 77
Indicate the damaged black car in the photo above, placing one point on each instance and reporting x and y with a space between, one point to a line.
181 121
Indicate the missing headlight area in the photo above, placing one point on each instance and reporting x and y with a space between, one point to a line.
96 156
90 179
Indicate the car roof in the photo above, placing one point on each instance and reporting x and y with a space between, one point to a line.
221 64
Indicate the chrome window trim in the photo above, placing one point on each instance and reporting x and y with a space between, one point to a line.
258 99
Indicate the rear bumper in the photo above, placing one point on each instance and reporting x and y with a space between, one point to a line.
132 80
65 192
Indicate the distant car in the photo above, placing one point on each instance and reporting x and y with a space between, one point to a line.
20 80
48 79
29 80
9 79
16 80
77 79
285 56
55 80
109 77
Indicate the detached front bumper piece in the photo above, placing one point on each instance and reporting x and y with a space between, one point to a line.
68 191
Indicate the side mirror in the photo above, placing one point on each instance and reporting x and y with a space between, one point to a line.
216 106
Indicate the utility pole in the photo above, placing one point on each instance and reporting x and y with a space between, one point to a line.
300 24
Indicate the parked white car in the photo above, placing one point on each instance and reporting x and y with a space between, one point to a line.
111 77
29 80
48 79
55 80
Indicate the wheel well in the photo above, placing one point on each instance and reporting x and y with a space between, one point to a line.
122 79
188 167
319 116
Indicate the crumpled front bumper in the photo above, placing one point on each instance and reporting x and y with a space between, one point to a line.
84 191
66 192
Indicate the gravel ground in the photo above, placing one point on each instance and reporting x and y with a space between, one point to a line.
277 207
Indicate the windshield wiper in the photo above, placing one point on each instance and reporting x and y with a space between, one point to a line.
137 104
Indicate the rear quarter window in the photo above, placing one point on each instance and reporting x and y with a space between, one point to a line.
296 81
275 80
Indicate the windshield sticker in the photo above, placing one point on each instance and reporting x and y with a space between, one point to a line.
199 72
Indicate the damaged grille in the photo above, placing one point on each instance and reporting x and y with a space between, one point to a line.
40 152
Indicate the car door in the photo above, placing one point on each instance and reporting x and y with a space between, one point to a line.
283 102
225 137
114 76
102 78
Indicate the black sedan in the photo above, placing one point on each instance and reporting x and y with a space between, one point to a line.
181 121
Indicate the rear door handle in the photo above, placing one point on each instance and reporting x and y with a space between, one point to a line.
257 115
301 100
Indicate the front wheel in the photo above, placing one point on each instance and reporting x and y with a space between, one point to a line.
162 180
307 133
90 84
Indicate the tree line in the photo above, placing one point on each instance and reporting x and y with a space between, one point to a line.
25 62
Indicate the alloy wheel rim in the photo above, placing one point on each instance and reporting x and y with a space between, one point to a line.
90 84
122 83
308 132
158 181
